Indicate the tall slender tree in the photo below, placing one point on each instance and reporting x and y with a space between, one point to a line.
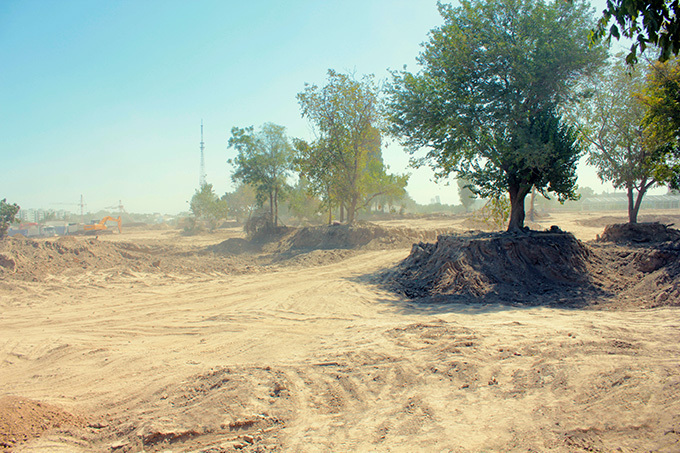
611 121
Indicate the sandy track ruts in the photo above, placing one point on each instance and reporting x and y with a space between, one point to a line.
322 360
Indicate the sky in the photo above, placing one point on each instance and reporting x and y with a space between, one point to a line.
105 99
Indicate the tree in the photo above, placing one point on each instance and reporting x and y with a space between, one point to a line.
610 120
466 195
661 95
263 161
646 22
7 215
344 165
207 207
485 104
241 202
303 203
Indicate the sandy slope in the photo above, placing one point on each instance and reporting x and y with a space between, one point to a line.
320 359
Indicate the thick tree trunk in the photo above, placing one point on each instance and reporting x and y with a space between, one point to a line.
532 214
342 212
517 196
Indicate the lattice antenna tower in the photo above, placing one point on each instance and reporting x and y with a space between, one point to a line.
201 176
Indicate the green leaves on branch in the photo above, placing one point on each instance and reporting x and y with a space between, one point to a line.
654 23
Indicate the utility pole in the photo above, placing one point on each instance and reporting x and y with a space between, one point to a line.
82 210
201 176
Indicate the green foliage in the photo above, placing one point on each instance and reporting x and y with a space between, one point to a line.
207 207
302 202
8 213
662 97
485 104
241 202
344 165
647 23
263 161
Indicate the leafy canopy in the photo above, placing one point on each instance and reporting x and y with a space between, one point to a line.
662 97
344 164
263 161
485 104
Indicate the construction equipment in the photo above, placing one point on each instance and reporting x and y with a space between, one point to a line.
102 224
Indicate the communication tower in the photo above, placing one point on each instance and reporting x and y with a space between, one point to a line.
201 176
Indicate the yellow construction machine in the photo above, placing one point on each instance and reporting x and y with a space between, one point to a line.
102 224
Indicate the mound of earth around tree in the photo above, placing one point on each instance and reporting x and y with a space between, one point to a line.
541 268
491 267
639 232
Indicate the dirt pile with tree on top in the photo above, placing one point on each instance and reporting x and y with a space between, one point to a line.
543 268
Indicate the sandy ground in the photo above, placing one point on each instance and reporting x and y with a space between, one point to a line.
321 359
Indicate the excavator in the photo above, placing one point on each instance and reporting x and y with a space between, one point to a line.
102 224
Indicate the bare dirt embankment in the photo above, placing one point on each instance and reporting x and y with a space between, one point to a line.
300 348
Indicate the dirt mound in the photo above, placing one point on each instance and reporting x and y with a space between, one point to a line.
603 221
639 232
234 246
35 260
504 267
539 268
22 419
359 235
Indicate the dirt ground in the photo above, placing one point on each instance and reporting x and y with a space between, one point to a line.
154 341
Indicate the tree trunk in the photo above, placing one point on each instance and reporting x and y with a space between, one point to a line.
271 208
276 208
634 203
517 196
342 212
351 211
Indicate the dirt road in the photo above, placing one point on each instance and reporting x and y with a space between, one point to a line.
322 359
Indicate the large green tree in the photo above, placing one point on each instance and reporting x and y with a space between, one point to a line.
611 121
263 161
344 164
485 104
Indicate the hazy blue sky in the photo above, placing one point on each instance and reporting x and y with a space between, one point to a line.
105 98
